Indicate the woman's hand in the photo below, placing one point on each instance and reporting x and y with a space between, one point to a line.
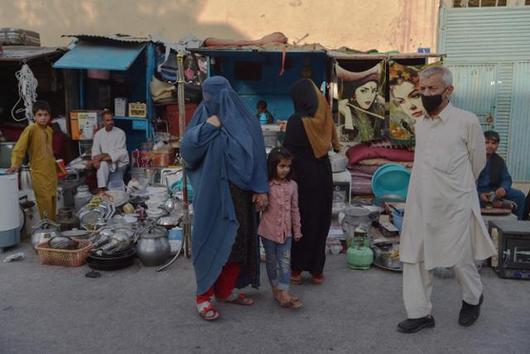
214 120
297 238
260 201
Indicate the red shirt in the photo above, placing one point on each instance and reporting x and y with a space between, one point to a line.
281 219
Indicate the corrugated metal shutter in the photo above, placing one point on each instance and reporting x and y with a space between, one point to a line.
485 89
488 34
519 157
473 38
475 89
501 118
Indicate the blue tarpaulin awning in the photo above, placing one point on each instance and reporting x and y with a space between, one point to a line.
101 56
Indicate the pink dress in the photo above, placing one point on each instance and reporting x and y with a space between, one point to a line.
281 219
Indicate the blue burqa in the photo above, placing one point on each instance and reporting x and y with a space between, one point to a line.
214 157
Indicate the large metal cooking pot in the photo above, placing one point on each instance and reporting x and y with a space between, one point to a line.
153 247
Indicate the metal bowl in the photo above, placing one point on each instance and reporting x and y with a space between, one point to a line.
169 221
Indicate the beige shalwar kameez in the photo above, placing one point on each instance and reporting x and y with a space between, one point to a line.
442 226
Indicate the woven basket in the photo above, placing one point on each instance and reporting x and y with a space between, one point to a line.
67 258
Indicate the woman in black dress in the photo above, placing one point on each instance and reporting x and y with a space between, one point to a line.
310 134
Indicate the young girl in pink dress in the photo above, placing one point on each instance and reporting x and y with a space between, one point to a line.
280 223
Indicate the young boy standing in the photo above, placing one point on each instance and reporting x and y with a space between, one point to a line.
36 141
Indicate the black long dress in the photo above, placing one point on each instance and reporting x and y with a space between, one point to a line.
315 196
245 250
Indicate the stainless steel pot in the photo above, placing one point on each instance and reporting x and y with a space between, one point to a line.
169 221
153 246
352 217
67 219
44 231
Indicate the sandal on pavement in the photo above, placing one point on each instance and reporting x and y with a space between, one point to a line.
296 278
318 279
238 299
293 302
207 311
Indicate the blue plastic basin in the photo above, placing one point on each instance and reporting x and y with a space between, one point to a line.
391 179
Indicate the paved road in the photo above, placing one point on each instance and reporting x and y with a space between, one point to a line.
45 309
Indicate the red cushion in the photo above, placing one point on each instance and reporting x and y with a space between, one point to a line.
361 152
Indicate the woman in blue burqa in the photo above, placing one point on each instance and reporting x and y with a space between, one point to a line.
225 158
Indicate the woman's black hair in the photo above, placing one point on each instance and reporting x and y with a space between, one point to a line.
275 156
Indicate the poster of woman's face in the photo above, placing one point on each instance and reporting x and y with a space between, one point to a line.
361 103
365 94
405 101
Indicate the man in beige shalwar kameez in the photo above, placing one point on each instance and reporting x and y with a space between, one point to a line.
442 225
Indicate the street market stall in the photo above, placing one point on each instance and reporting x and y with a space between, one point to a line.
111 72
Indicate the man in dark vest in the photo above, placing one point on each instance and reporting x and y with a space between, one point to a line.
495 182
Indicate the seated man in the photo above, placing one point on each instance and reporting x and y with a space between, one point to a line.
109 152
494 182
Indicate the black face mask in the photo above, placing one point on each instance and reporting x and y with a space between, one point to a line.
431 103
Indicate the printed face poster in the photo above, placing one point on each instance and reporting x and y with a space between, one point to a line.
405 101
361 103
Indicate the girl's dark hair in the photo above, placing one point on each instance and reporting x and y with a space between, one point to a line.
275 156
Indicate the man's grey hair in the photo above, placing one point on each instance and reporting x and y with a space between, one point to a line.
447 76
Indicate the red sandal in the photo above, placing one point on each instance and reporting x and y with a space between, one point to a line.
207 311
296 277
318 279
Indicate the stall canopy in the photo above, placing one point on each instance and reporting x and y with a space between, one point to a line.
100 56
27 53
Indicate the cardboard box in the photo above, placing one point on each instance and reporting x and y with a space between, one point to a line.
138 110
84 124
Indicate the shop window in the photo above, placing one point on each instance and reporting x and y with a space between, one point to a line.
479 3
248 70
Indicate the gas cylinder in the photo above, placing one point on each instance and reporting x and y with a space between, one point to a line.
360 255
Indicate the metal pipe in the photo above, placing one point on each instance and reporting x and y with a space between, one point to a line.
186 222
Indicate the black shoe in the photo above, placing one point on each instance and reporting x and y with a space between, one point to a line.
469 313
413 325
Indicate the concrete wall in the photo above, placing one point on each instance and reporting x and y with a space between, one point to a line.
400 25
